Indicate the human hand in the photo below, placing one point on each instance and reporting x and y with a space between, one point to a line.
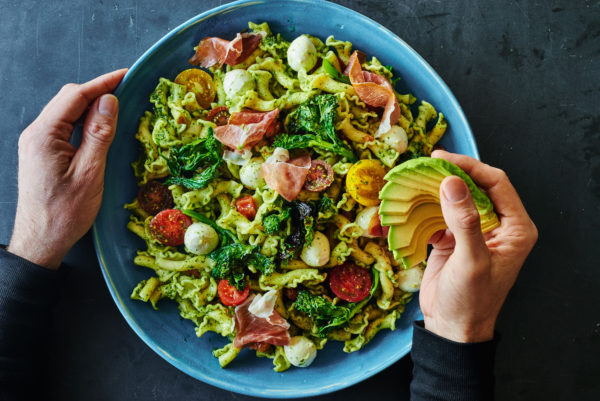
468 273
60 187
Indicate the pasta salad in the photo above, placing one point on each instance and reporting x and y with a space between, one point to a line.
259 178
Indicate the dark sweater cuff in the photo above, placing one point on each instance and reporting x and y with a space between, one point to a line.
448 370
28 293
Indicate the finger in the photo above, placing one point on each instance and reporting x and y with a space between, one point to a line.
462 217
493 180
73 99
442 239
98 133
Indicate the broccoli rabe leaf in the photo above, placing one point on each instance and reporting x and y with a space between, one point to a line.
312 125
185 161
326 209
231 262
335 74
272 223
325 314
232 257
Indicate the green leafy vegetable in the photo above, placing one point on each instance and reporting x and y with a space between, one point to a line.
335 74
184 162
326 209
231 262
312 125
394 80
303 229
325 314
272 223
232 257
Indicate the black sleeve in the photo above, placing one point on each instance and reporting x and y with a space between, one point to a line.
445 370
28 293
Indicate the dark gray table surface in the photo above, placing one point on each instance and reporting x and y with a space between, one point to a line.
527 75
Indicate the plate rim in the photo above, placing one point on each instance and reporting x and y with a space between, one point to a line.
129 318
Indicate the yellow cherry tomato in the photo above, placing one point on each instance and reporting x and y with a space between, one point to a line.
364 181
200 83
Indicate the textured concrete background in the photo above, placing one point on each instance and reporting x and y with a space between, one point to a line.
527 75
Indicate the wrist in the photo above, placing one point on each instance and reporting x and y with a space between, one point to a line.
36 251
461 332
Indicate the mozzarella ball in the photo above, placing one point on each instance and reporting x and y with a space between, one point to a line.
396 139
301 352
200 239
409 280
237 83
363 219
317 253
302 54
250 174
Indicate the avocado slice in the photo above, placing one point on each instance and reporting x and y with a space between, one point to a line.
422 234
425 210
401 235
410 258
398 192
416 181
396 207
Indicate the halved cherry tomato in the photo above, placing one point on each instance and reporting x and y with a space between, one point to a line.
154 197
219 115
229 295
319 177
350 282
246 206
364 181
200 83
169 226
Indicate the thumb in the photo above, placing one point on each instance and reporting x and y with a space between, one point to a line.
462 216
98 131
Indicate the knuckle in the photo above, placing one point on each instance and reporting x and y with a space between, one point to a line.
500 174
70 87
469 219
534 234
100 132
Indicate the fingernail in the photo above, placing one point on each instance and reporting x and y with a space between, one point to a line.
455 190
108 105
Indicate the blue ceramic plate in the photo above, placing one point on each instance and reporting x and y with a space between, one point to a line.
164 331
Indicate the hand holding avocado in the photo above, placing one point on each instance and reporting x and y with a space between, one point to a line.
468 273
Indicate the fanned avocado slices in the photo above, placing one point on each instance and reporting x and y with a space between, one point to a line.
411 206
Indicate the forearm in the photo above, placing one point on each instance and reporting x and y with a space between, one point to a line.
445 370
28 293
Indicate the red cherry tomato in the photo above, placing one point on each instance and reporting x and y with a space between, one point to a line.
169 226
319 177
246 206
229 295
154 197
350 282
219 115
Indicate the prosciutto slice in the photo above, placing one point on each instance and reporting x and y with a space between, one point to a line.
216 51
286 177
376 91
256 331
247 128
